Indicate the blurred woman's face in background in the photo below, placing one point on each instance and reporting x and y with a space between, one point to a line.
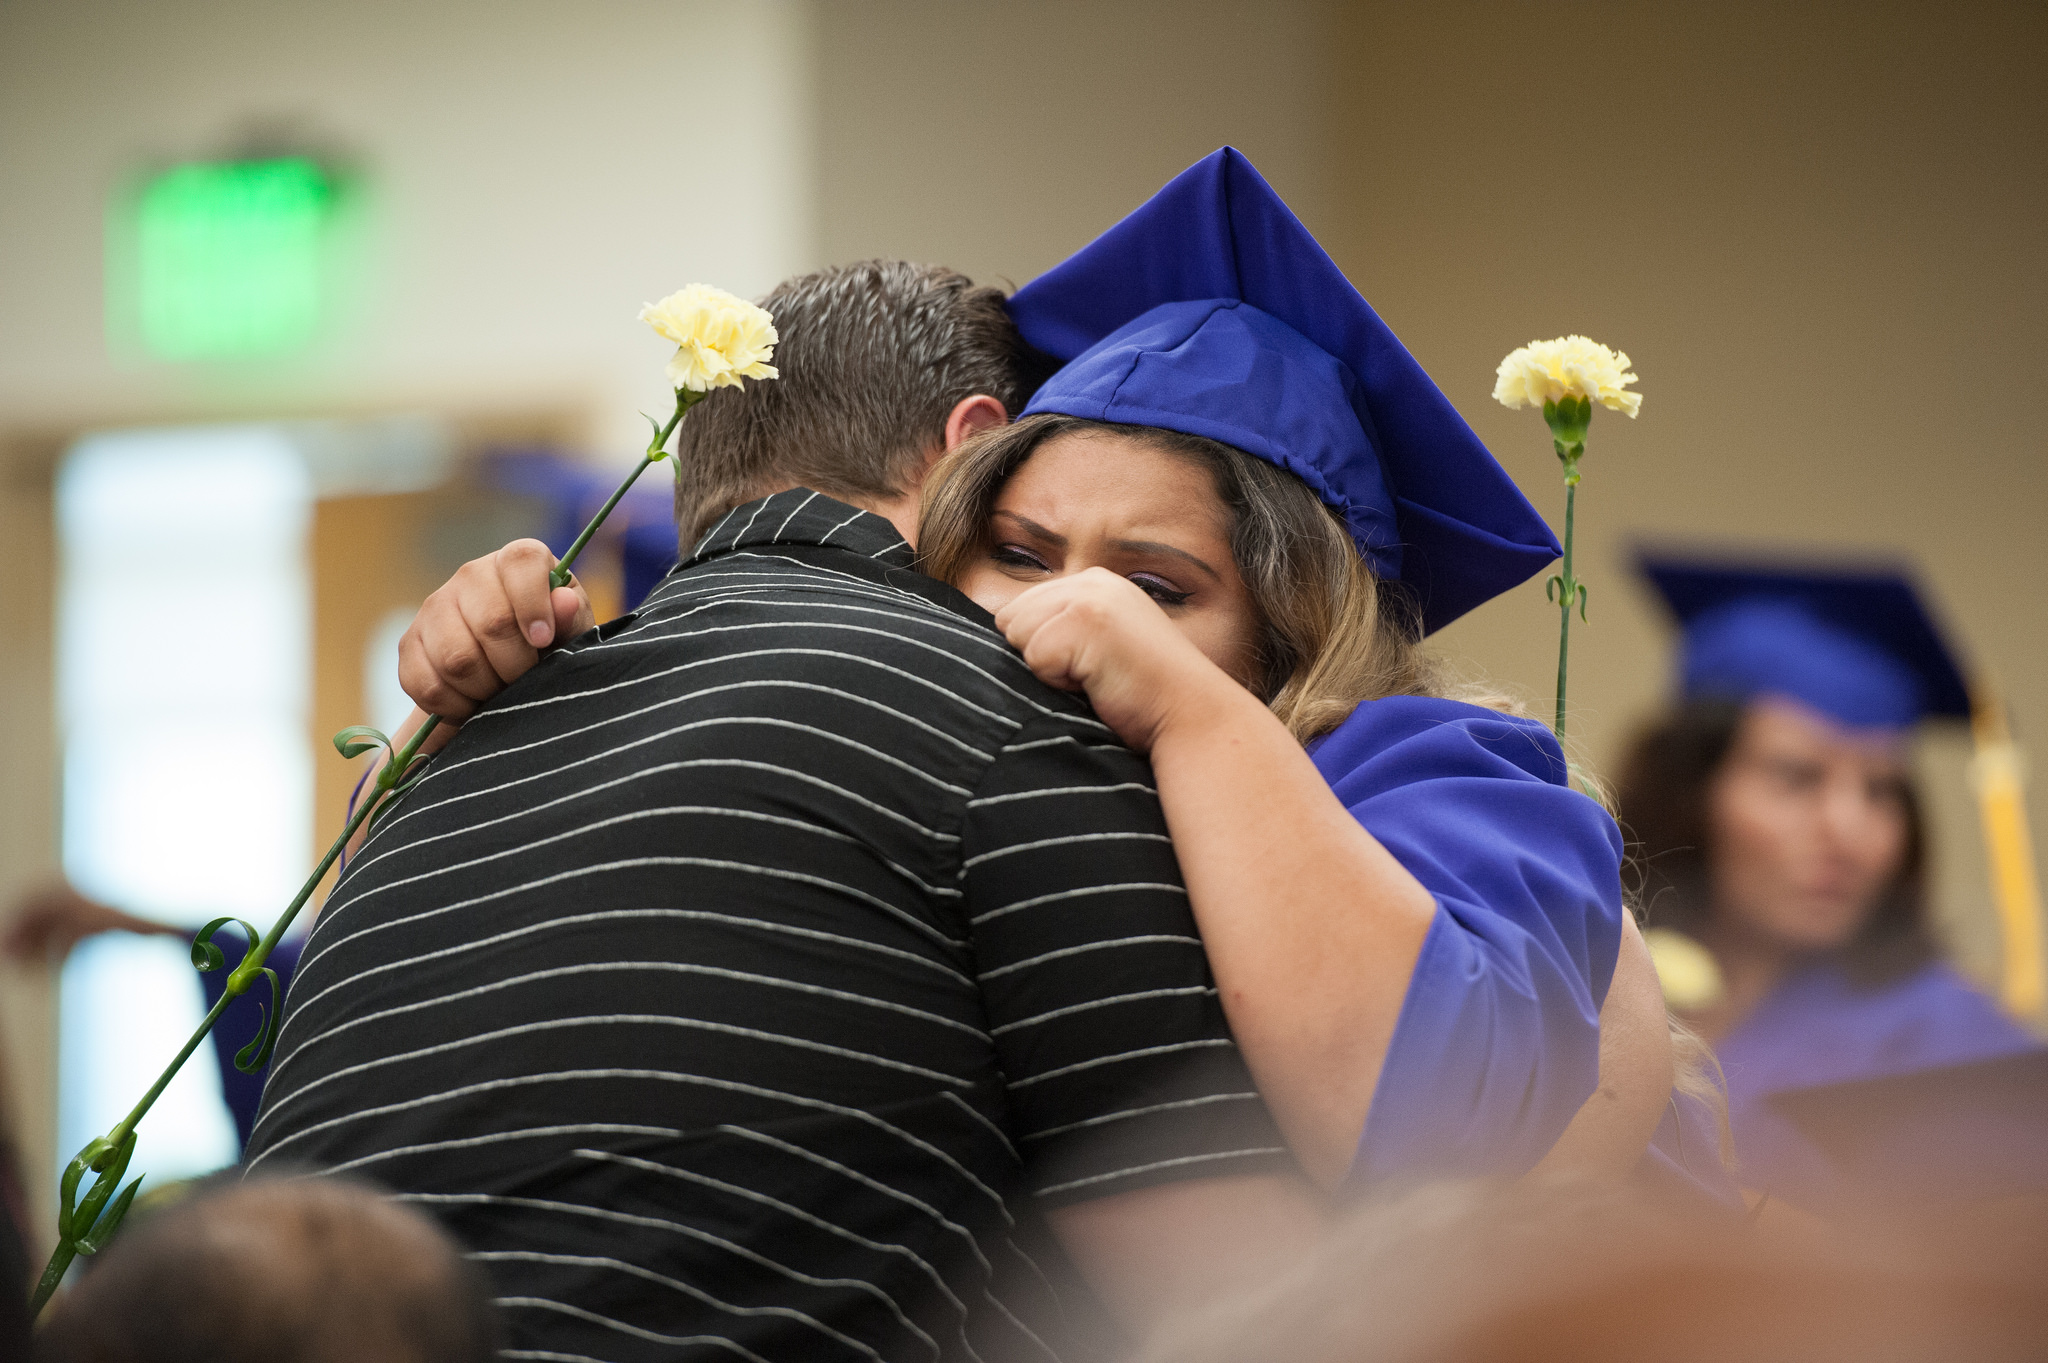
1809 828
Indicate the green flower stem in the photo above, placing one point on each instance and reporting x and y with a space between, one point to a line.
657 449
106 1158
53 1273
1568 419
559 575
1568 588
87 1224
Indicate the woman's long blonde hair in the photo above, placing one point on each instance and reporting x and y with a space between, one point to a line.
1331 633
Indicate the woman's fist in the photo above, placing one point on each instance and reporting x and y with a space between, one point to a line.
485 627
1100 633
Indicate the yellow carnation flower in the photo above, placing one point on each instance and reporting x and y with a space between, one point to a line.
721 340
1688 971
1570 366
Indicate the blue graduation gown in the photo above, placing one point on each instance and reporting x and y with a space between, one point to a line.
1498 1041
1818 1028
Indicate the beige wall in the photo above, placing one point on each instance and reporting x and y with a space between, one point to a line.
996 137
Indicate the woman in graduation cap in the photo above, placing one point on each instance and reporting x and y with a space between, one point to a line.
1781 830
1231 517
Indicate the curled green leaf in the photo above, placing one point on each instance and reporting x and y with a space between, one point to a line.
256 1054
94 1240
208 957
108 1162
358 739
84 1226
67 1188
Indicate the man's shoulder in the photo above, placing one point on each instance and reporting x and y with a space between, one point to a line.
878 607
828 616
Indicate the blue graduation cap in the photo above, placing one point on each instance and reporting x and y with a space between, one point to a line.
1858 645
1211 310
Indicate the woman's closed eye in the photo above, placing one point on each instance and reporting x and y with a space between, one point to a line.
1019 561
1016 556
1160 590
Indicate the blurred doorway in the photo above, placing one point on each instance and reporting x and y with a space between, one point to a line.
224 595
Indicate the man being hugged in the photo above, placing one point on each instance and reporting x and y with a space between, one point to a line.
769 969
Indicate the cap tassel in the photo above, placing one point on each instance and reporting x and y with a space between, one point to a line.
1999 776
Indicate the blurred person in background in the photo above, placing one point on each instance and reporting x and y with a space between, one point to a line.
274 1271
1780 829
48 924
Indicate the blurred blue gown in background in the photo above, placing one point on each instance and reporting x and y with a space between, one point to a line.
243 1019
1818 1029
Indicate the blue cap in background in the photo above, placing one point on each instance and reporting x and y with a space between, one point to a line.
1855 644
1211 310
569 492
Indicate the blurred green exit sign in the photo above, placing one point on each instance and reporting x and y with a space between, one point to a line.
225 258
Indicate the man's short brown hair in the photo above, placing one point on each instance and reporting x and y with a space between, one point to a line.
873 357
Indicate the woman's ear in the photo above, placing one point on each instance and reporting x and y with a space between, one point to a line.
972 416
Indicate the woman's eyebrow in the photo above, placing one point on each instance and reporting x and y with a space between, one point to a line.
1154 547
1032 527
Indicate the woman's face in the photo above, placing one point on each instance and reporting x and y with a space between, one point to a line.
1104 500
1809 827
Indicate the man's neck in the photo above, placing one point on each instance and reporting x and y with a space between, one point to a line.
900 511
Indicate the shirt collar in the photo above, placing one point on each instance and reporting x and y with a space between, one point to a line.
801 516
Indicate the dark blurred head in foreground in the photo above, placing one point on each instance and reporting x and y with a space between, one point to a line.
276 1271
1565 1273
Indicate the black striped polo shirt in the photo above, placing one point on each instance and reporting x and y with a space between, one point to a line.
744 980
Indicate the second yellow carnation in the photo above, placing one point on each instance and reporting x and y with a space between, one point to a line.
1570 366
